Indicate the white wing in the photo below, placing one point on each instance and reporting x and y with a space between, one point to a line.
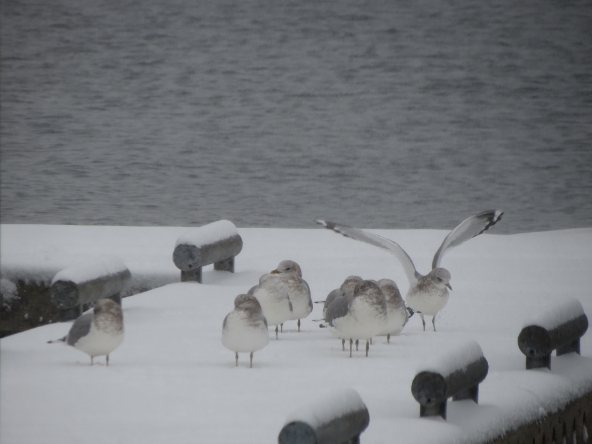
467 229
377 241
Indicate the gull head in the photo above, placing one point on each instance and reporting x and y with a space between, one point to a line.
288 268
107 307
349 284
246 302
367 288
390 290
441 277
108 316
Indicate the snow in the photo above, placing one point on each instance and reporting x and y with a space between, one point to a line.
208 234
556 313
323 410
90 270
454 355
172 380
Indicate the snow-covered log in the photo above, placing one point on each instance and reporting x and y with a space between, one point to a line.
217 243
87 282
559 326
337 419
456 373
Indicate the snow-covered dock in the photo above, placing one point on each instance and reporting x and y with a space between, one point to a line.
172 380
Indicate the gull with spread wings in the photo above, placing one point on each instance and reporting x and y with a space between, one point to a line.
428 294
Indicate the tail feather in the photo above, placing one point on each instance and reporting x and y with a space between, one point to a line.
55 341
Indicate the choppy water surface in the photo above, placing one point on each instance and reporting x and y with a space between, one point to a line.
390 114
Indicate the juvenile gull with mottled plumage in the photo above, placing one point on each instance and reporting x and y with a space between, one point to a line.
397 314
340 297
347 287
97 333
272 294
360 315
298 290
244 329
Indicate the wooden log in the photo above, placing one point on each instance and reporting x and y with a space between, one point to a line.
558 326
87 282
337 419
217 243
456 373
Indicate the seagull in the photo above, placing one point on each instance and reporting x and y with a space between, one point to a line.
97 333
397 314
427 294
360 315
272 294
245 328
347 287
341 297
298 289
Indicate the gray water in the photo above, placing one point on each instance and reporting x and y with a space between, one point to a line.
379 113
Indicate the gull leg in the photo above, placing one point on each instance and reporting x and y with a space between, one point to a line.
422 320
357 343
236 358
343 345
282 327
351 342
276 331
298 324
107 359
388 338
91 360
367 347
251 366
433 322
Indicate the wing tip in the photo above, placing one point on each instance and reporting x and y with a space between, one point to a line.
328 225
492 217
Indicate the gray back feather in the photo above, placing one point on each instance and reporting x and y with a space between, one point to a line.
79 329
338 309
331 297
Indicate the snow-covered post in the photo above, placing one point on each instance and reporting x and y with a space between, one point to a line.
216 243
337 419
559 326
86 282
456 373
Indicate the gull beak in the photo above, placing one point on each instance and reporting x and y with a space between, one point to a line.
448 285
274 272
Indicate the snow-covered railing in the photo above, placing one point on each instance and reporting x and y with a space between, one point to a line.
559 326
455 373
216 243
87 282
337 419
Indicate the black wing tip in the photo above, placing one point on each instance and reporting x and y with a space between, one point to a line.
495 215
327 224
491 217
334 226
53 341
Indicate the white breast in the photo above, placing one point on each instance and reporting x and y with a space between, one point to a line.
99 343
240 335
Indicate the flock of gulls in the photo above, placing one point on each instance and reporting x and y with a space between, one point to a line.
356 311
